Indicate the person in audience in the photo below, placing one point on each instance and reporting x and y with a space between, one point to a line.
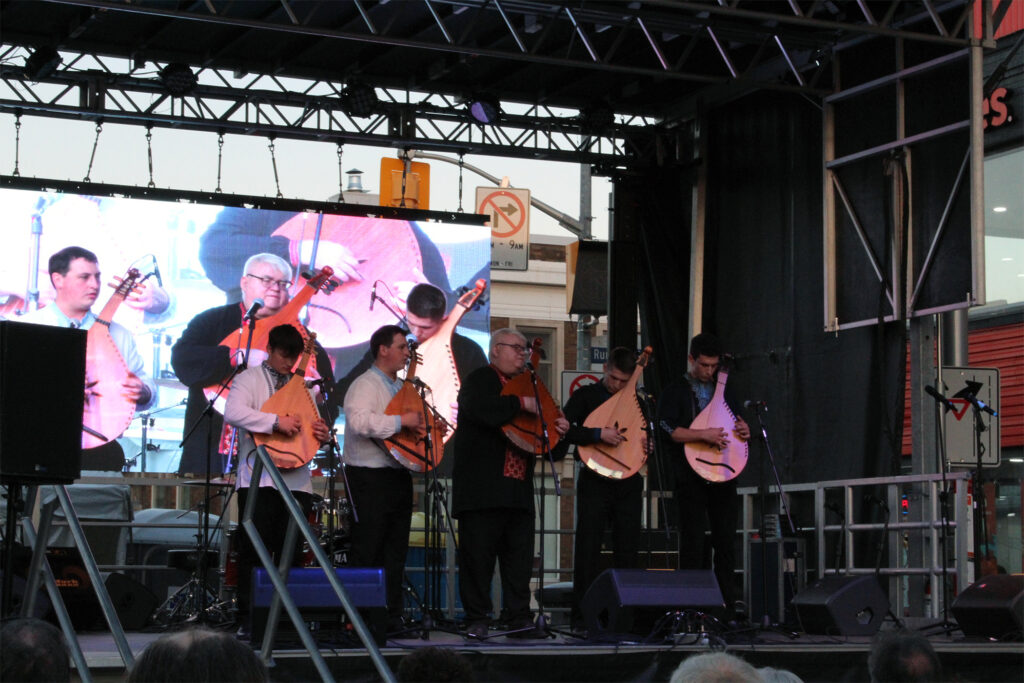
715 667
33 650
772 675
198 654
903 656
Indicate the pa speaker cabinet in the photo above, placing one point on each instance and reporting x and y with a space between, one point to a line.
316 600
992 607
133 602
42 399
631 601
843 605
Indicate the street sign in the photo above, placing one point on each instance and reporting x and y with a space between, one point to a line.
959 423
509 209
574 379
598 355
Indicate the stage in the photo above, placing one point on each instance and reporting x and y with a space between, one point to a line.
565 658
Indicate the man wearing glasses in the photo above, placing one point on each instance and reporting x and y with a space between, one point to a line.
200 361
492 489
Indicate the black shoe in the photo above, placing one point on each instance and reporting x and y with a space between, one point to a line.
477 631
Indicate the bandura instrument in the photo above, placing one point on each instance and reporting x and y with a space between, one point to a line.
526 431
287 315
289 452
386 251
409 446
438 370
711 463
621 412
108 412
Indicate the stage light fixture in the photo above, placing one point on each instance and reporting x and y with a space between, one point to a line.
485 109
597 118
41 63
178 79
359 99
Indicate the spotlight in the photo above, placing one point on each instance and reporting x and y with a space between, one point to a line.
485 108
178 79
597 118
41 63
359 99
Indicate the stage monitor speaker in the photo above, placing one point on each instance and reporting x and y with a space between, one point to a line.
631 601
317 602
41 419
133 602
992 607
842 605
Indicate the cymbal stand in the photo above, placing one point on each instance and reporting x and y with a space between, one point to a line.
203 541
147 422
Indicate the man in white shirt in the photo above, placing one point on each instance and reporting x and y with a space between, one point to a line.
380 488
249 391
75 275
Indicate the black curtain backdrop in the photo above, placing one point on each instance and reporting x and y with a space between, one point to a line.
835 402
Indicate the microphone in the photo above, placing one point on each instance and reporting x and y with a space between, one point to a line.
310 383
373 295
974 401
156 271
754 404
417 382
934 393
257 304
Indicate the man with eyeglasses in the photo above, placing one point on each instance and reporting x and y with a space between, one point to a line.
492 490
601 500
200 361
702 504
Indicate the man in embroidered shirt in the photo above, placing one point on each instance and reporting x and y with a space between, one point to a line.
492 489
243 409
380 489
75 274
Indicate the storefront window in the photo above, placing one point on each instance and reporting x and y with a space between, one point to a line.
1004 228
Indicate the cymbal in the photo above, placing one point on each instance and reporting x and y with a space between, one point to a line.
219 481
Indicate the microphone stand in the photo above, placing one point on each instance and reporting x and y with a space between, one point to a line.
980 523
207 414
766 619
541 624
654 447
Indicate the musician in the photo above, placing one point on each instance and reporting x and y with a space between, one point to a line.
702 504
380 487
249 391
427 310
492 489
199 360
600 500
75 276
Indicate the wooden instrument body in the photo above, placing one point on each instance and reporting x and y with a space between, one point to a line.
621 411
386 251
438 369
408 446
526 431
108 411
713 464
288 315
289 452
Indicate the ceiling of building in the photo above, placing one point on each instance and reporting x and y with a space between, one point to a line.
560 68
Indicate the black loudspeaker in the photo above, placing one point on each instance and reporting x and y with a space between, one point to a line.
133 602
992 607
41 419
317 602
631 601
842 605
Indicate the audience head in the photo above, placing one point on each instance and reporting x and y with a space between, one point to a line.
771 675
715 667
198 654
33 650
903 656
434 664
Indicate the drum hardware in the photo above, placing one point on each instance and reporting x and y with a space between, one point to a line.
145 446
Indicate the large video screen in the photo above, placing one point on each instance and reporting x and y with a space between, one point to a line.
191 256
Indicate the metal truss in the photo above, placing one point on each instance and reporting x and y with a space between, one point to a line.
95 88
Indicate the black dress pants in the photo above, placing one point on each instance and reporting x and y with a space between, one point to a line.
705 505
505 535
382 498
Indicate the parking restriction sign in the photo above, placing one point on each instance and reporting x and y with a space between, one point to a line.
509 209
